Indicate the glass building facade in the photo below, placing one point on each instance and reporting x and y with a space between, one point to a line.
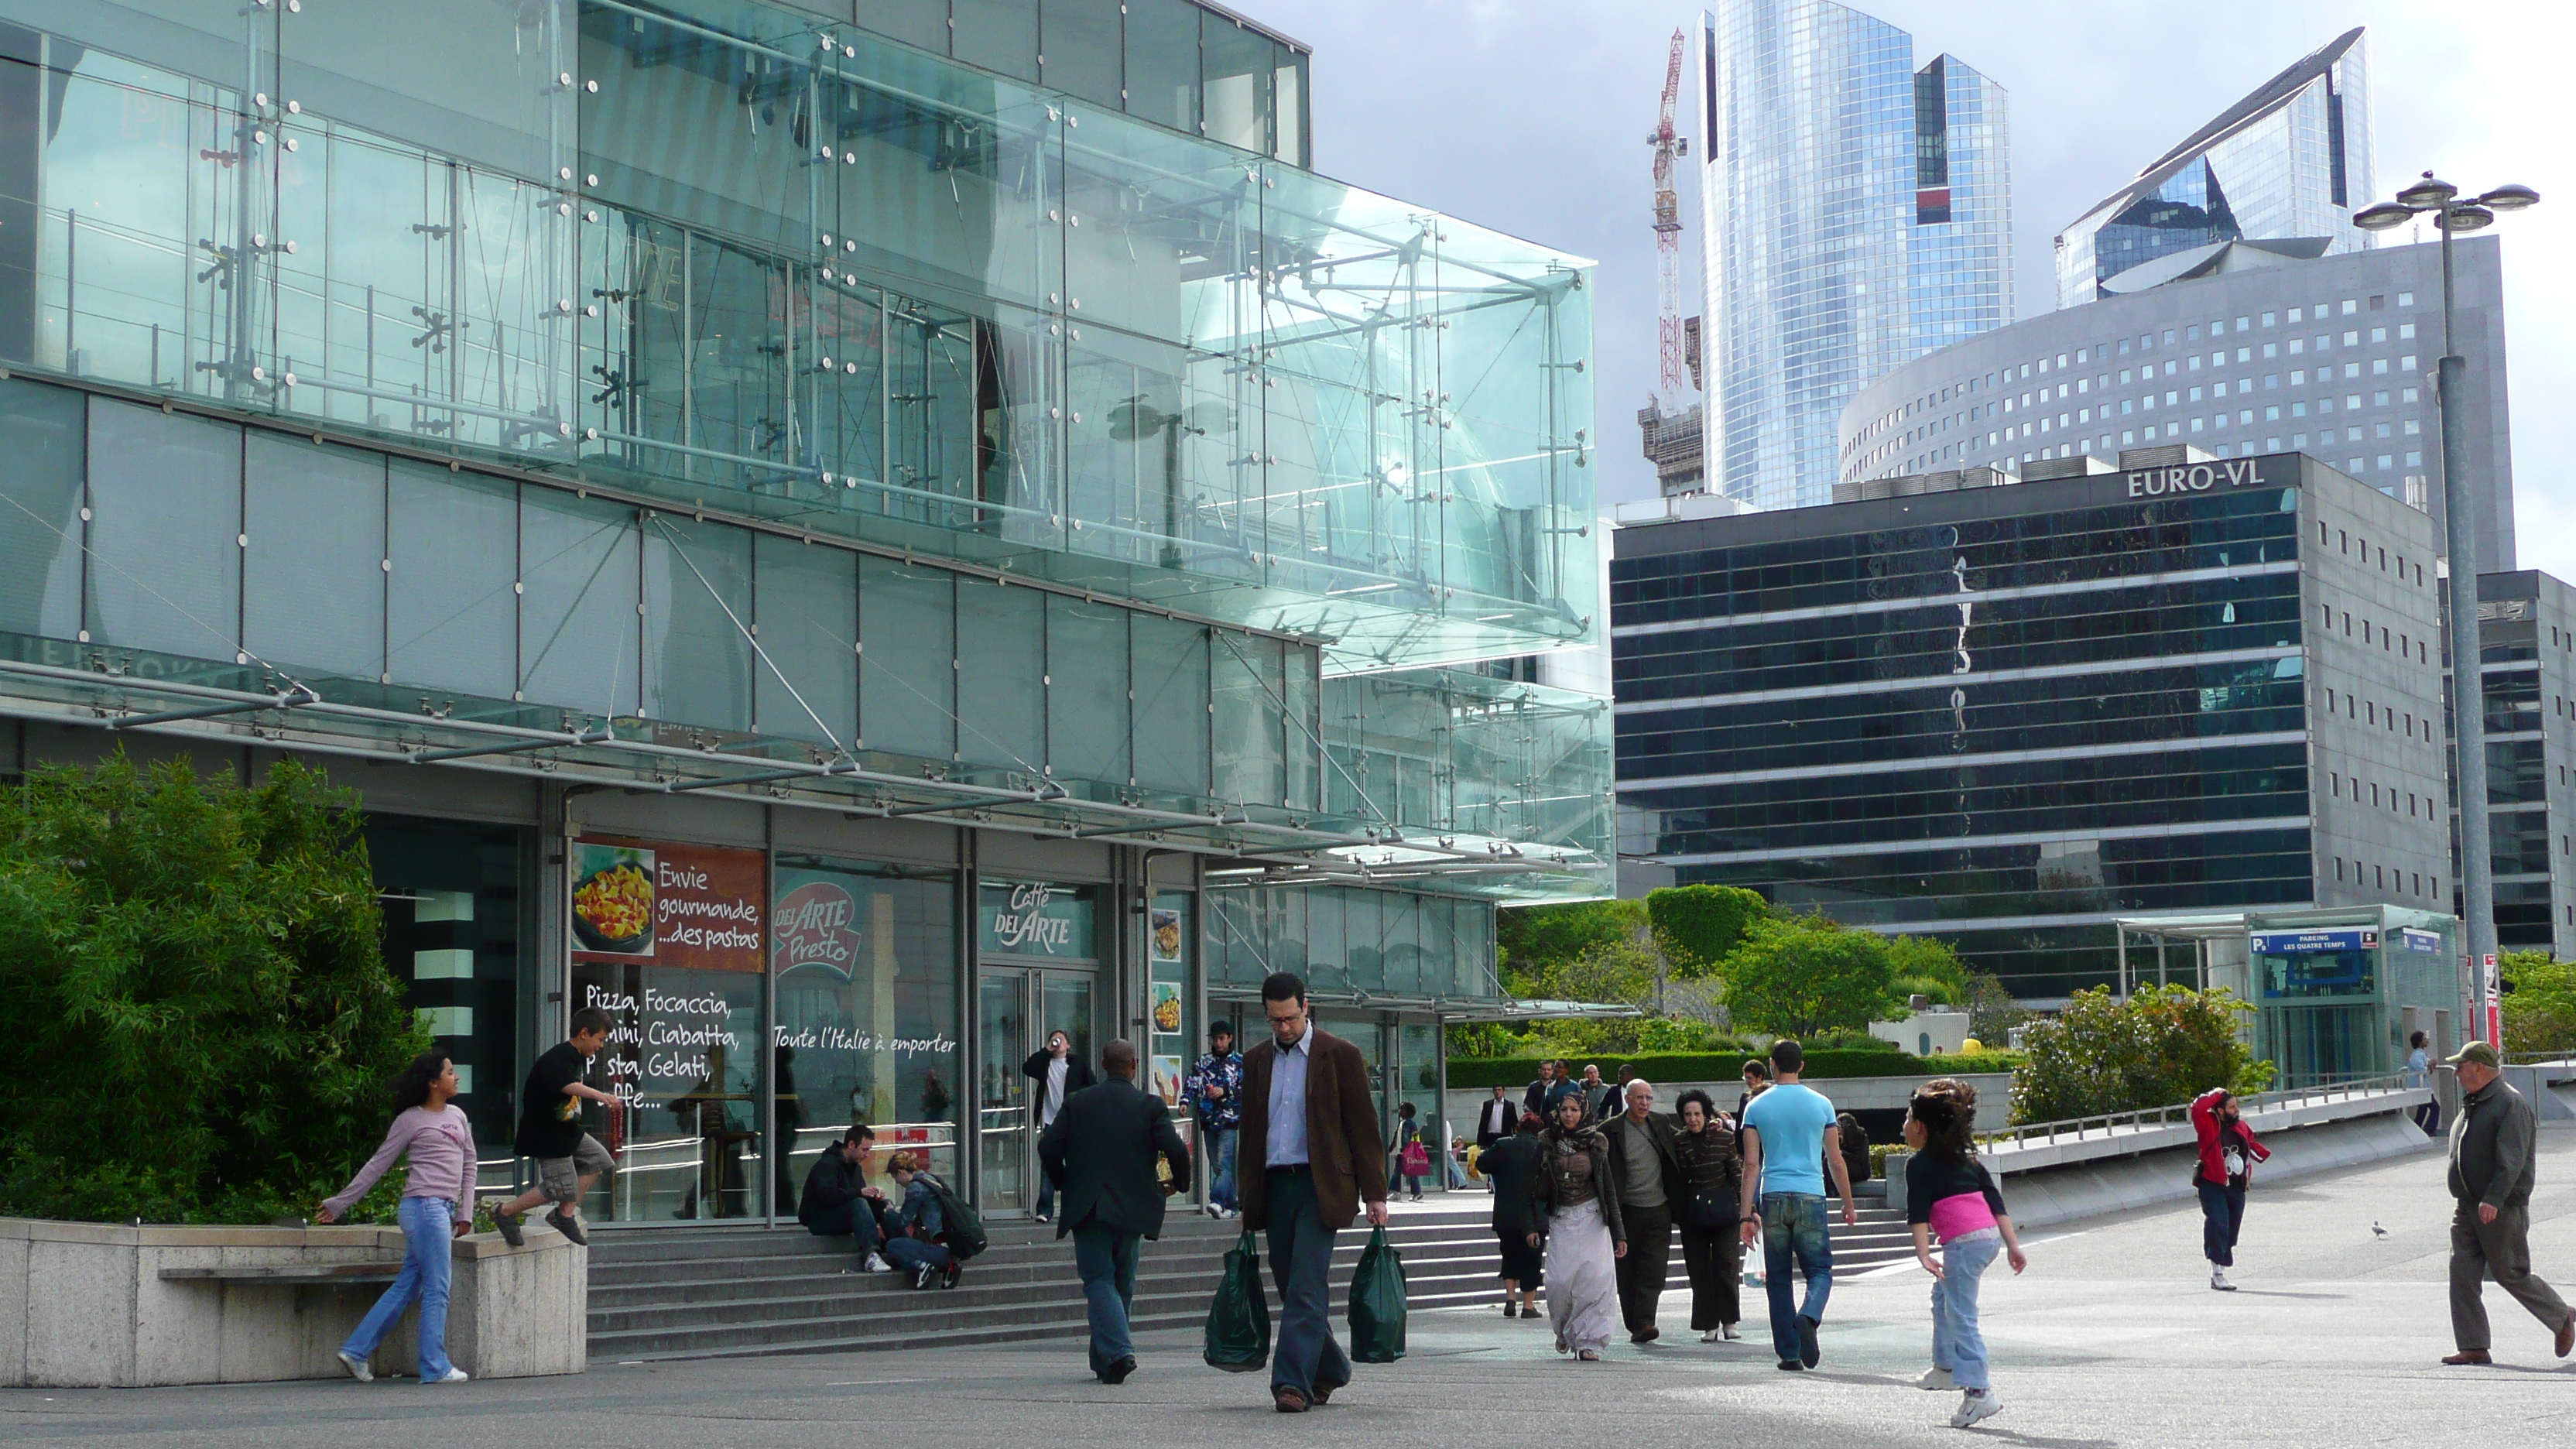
2528 636
2290 160
1856 213
848 545
2008 715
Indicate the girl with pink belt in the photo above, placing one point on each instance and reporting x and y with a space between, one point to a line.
1950 1195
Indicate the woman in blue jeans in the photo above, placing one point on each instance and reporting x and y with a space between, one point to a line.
437 1207
1950 1194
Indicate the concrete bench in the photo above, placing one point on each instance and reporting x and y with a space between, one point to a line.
298 1275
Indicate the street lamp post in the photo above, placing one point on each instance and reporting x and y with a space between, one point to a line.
2453 213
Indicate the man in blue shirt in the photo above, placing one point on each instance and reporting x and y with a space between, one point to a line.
1216 1080
1790 1143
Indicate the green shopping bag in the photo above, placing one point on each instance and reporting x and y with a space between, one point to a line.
1377 1302
1238 1322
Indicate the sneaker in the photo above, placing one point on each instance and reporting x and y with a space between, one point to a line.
2218 1281
453 1376
1215 1211
1935 1379
356 1366
1045 1217
1117 1372
1974 1406
508 1223
1709 1337
566 1224
922 1276
1808 1349
949 1275
876 1263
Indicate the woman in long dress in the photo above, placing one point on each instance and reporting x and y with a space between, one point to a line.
1579 1225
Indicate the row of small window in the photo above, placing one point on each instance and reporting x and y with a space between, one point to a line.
2191 333
2298 408
2380 879
2150 435
2346 541
2373 712
2380 794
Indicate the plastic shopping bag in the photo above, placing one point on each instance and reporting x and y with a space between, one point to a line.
1377 1302
1238 1322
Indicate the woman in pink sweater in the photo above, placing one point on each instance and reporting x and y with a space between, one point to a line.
438 1203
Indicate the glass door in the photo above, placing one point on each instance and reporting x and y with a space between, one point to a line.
1017 1010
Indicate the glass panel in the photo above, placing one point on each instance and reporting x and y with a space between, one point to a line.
1163 62
1066 1002
577 621
451 934
998 35
697 603
741 106
1288 134
1365 1032
1001 672
1248 693
866 964
915 22
476 80
452 616
1001 1092
313 574
908 659
1032 918
165 498
1303 728
40 504
808 600
1234 60
1171 713
1083 41
1087 691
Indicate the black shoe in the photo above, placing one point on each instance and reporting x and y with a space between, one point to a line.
1808 1351
1792 1366
508 1223
949 1275
563 1222
1117 1372
922 1275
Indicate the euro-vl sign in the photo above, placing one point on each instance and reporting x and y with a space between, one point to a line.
2191 478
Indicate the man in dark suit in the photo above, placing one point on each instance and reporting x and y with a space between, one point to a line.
1100 1150
1496 1119
1311 1154
1649 1174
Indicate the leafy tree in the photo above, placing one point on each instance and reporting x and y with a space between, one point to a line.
1621 971
1928 965
1531 937
2539 1002
1700 925
1799 975
1992 1011
191 977
2164 1045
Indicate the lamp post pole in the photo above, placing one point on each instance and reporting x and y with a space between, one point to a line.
2460 593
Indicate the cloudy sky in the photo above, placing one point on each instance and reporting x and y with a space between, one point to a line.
1531 116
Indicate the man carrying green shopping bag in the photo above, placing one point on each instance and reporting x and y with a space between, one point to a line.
1311 1155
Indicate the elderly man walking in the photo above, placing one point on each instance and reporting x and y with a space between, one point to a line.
1101 1150
1649 1172
2492 1143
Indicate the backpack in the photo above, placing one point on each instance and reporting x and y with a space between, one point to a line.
964 1230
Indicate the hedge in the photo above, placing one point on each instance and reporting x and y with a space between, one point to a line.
1478 1073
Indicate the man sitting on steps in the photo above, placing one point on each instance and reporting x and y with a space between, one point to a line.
838 1199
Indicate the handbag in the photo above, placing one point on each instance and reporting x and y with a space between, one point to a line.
1238 1321
1415 1160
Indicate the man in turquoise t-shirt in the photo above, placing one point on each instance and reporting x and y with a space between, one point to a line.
1790 1142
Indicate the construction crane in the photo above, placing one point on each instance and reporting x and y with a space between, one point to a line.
1668 236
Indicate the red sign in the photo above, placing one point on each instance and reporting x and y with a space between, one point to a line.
813 926
692 907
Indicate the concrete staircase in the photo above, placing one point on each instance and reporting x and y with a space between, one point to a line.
709 1293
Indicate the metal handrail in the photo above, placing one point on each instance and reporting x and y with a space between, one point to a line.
2108 1123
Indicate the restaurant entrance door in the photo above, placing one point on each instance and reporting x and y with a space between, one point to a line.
1016 1010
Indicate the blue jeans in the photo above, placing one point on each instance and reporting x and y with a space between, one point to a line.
428 1225
2222 1211
1301 1263
856 1219
1220 1156
1957 1344
1793 1225
1106 1259
911 1253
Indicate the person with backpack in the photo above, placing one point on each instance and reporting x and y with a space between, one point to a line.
437 1204
926 1247
1100 1152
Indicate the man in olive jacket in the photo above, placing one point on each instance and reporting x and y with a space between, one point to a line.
1649 1173
1100 1149
1311 1154
2492 1142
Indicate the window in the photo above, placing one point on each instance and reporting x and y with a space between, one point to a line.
2349 307
2404 299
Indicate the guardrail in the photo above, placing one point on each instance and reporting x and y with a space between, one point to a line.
2112 1123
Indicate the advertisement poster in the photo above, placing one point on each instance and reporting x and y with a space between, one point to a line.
694 907
1170 1075
1167 1008
1164 929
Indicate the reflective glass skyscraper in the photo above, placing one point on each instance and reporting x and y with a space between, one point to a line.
2290 160
1857 215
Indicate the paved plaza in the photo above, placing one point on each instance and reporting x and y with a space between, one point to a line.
2112 1339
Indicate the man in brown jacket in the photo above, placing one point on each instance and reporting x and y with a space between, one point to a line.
1311 1155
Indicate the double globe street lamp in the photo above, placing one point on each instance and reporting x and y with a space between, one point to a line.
2451 213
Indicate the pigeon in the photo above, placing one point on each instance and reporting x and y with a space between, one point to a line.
2377 1231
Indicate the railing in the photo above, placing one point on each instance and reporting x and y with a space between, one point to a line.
2109 1124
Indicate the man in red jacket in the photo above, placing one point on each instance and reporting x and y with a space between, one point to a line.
2228 1152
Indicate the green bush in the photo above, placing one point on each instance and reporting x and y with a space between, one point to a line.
2164 1045
1801 975
192 982
1699 925
1476 1074
2539 1003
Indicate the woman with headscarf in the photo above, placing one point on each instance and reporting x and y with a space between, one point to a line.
1578 1193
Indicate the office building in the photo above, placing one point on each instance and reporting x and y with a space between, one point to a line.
2010 715
2290 160
1002 536
2527 632
2237 348
1856 214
